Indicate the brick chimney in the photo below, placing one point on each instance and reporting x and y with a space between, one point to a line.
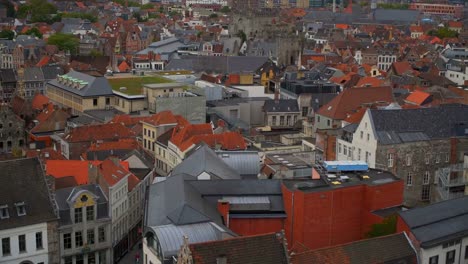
223 209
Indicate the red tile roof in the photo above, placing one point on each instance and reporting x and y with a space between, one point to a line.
368 81
161 118
110 131
123 67
417 97
350 99
39 101
114 172
455 24
45 153
355 118
416 29
401 67
129 143
63 168
44 61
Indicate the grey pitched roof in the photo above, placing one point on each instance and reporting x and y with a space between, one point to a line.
33 74
439 222
7 75
409 125
218 64
397 15
50 72
246 163
284 105
173 201
23 180
65 195
96 86
204 159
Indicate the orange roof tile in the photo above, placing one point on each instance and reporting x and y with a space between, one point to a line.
110 131
113 173
369 82
342 26
39 101
350 99
401 67
164 117
416 29
63 168
455 24
129 143
44 61
417 97
227 141
123 67
355 118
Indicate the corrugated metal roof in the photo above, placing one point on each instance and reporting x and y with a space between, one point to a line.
244 162
247 199
171 237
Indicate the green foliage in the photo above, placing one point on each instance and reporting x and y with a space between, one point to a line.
7 34
387 227
147 6
64 42
130 3
33 32
139 18
95 53
225 9
392 6
362 4
174 13
214 15
11 12
242 35
40 11
92 18
443 33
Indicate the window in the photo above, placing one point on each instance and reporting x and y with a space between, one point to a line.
39 241
426 177
318 119
4 212
288 120
305 110
408 160
95 101
466 252
102 256
273 120
428 158
345 150
362 134
447 157
68 260
22 243
425 192
20 209
367 156
6 250
339 147
107 101
390 160
450 257
90 236
368 136
409 179
78 215
91 258
101 234
79 259
328 122
281 120
90 213
67 241
437 158
78 239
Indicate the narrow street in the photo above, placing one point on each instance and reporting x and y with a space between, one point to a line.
129 258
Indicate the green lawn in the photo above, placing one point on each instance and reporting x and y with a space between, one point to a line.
135 84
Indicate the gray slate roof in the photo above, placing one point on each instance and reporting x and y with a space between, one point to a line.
281 106
439 222
23 180
218 64
63 196
97 86
204 159
33 74
410 125
50 72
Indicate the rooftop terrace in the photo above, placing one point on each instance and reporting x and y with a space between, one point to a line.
133 83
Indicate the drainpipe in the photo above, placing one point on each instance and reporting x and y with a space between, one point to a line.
292 219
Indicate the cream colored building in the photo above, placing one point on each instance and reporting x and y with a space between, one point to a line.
80 92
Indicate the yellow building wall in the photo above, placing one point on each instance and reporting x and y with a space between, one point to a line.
245 78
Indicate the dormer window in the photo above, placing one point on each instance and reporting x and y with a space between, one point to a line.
4 212
20 209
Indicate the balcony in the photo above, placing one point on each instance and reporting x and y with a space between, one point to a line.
448 193
452 176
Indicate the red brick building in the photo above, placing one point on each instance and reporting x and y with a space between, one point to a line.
332 209
439 9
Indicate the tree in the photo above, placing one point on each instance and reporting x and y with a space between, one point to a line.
387 227
214 15
39 10
443 33
92 18
7 34
225 9
33 32
242 36
65 42
147 6
95 53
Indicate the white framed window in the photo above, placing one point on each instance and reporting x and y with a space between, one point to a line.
426 177
4 214
368 136
447 157
339 147
437 158
408 160
20 208
362 134
345 150
390 160
409 179
359 154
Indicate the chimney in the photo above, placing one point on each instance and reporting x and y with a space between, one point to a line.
223 209
277 96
